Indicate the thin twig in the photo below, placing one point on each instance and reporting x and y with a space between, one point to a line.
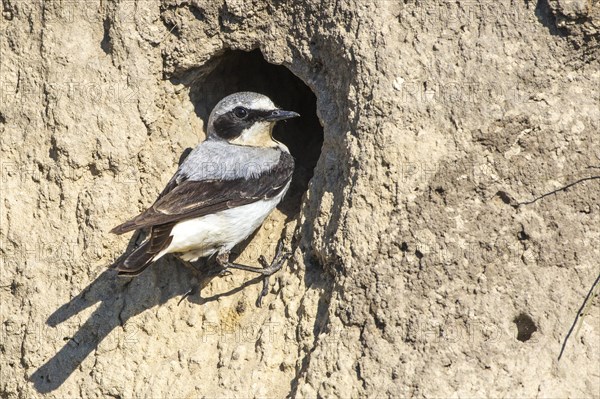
579 314
556 191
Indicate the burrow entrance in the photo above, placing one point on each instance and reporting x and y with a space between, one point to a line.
248 71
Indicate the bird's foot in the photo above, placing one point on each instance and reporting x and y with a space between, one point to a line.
267 269
277 262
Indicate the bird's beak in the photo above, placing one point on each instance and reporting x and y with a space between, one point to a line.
280 115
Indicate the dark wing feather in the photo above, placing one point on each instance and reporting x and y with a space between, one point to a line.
160 237
174 182
192 199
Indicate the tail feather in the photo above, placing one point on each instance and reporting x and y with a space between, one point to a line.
136 261
133 263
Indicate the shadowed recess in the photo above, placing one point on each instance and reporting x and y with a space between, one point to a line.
525 327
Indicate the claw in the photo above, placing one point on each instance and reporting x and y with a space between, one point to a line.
192 291
263 292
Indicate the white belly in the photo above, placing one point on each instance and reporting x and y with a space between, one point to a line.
219 232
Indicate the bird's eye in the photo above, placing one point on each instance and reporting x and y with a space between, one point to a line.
240 112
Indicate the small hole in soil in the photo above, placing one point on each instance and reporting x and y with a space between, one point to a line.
522 235
236 71
505 197
525 327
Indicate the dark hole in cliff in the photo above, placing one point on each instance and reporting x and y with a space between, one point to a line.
106 44
235 71
505 197
522 235
525 327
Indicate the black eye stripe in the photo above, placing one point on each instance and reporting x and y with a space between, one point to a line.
257 114
228 126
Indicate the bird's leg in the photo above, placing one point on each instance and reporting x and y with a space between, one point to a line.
195 272
267 270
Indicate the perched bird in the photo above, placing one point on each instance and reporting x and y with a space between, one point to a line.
221 193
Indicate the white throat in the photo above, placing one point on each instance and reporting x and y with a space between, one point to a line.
259 134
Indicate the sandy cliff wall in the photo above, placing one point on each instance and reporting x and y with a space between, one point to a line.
415 270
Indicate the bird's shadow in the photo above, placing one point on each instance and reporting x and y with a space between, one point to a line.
120 300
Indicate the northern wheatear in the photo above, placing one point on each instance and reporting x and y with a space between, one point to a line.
221 193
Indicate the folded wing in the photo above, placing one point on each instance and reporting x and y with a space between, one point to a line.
191 199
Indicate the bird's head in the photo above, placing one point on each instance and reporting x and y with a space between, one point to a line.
246 118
